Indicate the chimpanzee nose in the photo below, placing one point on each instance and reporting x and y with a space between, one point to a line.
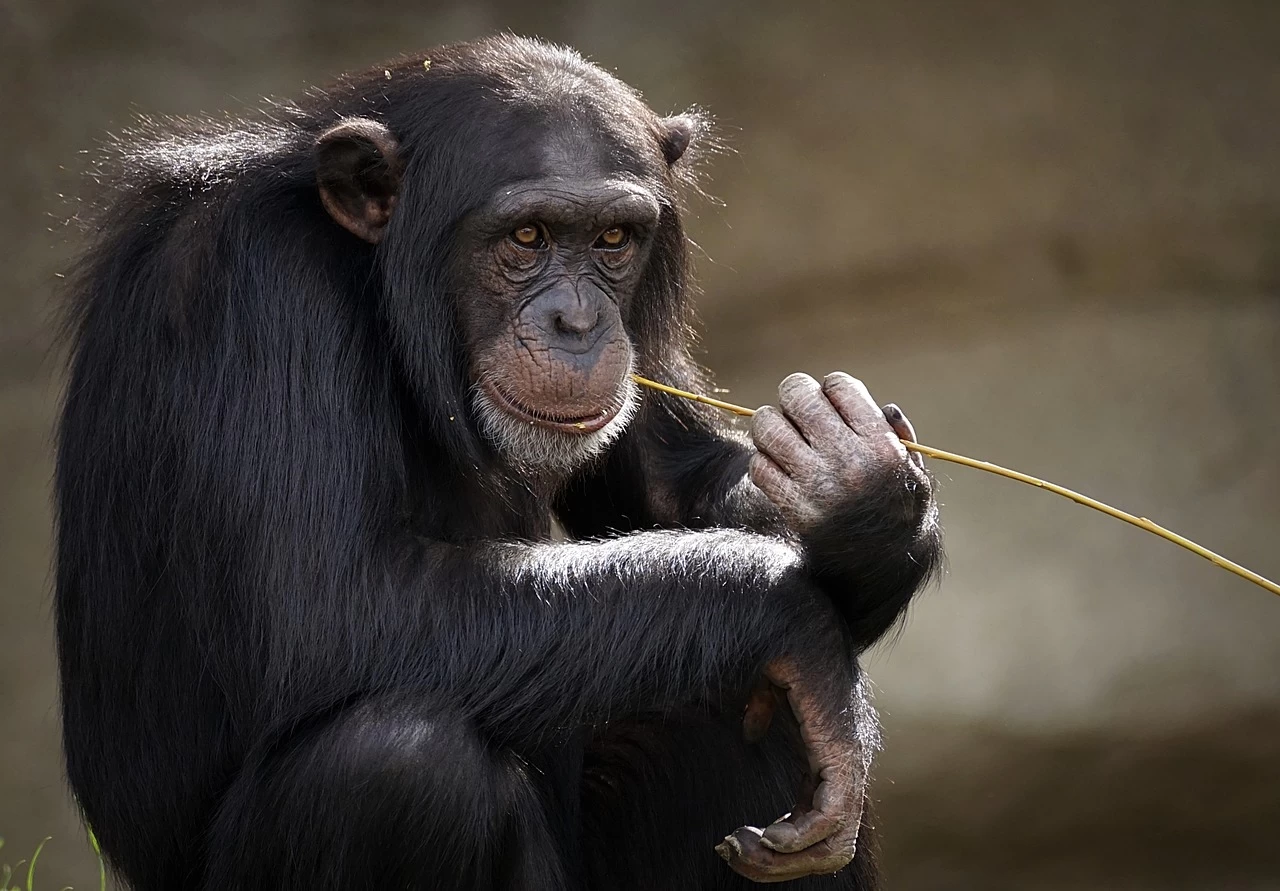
573 314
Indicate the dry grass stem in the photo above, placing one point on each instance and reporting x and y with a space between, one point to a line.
1140 522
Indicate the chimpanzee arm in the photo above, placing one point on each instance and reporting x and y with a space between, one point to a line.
871 551
529 638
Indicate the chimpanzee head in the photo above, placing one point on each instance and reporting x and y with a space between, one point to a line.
557 221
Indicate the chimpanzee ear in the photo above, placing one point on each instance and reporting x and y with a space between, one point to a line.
358 168
675 133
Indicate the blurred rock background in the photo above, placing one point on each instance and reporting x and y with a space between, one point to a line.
1050 230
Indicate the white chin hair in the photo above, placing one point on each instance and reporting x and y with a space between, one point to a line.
532 448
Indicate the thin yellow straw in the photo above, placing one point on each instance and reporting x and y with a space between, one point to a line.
1140 522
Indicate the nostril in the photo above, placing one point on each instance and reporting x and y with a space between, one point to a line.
577 321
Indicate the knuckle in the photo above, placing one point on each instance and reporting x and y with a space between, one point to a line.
842 379
758 469
762 418
813 402
767 431
797 383
798 378
842 382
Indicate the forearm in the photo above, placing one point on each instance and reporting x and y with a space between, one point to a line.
540 637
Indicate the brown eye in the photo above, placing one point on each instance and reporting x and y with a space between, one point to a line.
529 236
613 238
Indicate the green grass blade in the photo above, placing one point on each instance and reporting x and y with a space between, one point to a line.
102 866
31 869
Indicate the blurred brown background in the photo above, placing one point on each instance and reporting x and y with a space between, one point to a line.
1050 230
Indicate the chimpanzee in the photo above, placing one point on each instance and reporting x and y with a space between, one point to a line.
336 374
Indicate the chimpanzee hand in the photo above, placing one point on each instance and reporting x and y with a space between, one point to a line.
827 446
820 834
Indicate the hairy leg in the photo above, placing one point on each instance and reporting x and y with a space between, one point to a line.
384 794
660 794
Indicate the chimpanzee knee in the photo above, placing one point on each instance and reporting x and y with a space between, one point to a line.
385 794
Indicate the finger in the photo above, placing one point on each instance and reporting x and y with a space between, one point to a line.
902 426
746 855
784 492
761 705
801 399
854 403
776 438
898 421
770 479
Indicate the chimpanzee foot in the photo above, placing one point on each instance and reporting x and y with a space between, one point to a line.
820 834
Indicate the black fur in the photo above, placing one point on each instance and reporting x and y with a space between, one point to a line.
312 634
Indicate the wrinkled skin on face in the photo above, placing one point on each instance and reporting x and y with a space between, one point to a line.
556 262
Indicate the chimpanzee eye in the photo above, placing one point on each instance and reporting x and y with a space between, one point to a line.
528 236
613 238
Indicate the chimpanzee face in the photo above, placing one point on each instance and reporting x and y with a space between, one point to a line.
544 272
556 262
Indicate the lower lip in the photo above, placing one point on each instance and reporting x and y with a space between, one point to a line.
578 426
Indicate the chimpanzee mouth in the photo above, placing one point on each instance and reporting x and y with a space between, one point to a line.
560 423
